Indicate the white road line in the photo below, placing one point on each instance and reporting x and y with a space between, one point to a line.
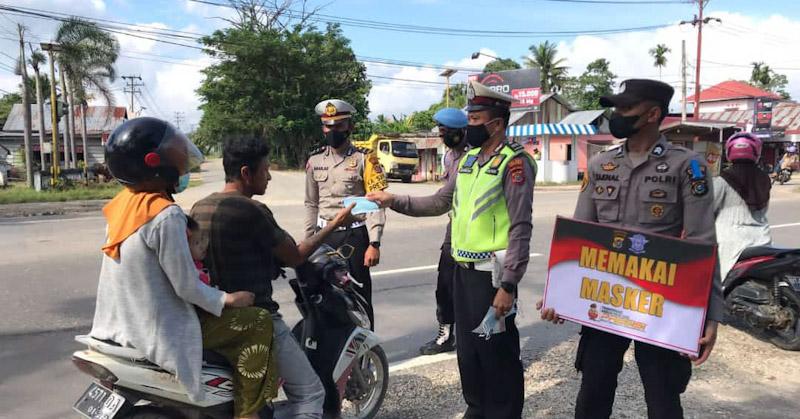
785 225
59 220
420 361
420 268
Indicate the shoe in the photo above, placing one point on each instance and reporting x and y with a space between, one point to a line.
444 342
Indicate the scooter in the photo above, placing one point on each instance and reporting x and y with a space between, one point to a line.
762 295
784 176
335 333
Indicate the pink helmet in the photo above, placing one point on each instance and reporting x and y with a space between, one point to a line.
743 146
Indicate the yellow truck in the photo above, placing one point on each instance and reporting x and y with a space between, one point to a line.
398 156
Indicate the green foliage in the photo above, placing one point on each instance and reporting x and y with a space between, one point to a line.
18 193
87 56
584 92
765 78
267 80
501 64
552 71
6 103
659 54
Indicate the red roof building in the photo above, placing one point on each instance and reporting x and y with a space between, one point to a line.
731 90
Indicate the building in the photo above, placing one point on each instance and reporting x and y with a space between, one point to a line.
100 122
730 95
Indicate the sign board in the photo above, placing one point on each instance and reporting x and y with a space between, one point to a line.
762 115
522 84
639 285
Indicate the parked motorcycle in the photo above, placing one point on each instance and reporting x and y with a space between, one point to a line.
335 333
762 295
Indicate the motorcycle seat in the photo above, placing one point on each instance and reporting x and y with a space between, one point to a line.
758 251
112 348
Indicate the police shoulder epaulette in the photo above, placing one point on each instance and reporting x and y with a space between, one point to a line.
316 150
515 146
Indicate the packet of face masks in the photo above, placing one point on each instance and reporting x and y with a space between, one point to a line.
363 205
491 325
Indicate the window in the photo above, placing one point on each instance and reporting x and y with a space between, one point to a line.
404 149
384 147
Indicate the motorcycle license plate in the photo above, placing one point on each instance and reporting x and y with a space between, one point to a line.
98 402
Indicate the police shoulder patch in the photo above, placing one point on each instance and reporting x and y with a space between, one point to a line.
317 150
515 146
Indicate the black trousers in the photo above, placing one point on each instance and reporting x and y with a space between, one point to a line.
359 239
665 375
444 287
491 370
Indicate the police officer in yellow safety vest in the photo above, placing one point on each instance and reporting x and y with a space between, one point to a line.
491 198
650 185
335 171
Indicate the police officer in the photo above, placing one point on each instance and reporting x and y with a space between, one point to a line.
654 186
338 170
452 125
491 199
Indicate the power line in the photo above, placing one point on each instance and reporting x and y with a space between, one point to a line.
633 2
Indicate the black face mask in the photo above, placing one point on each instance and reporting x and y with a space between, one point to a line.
335 139
623 126
453 138
477 135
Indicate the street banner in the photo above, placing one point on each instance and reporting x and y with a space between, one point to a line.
639 285
762 115
523 85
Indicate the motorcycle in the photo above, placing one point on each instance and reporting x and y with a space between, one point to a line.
762 295
784 176
334 332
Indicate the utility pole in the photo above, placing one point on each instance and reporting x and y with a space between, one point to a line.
55 161
26 108
179 117
699 21
447 74
683 80
131 88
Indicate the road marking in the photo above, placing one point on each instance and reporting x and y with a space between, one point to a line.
421 361
785 225
420 268
59 220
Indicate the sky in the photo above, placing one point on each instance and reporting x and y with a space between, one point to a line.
750 31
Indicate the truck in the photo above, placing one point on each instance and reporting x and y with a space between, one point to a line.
398 156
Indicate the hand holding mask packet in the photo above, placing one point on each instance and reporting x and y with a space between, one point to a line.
491 325
363 205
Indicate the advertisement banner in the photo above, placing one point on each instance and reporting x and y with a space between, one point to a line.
522 84
639 285
762 117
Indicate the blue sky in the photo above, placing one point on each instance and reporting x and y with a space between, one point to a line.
751 31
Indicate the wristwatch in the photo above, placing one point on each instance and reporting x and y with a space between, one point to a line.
508 287
376 245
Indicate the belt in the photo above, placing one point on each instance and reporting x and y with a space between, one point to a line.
321 223
466 265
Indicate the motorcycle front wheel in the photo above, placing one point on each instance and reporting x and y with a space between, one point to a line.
367 385
789 337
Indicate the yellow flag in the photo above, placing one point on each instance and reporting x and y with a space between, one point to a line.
374 179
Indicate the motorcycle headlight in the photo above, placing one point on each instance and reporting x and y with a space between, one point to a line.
359 318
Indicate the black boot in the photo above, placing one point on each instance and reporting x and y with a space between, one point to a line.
444 342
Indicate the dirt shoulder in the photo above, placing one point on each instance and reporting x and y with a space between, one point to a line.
745 378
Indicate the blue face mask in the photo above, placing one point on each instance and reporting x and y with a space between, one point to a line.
183 183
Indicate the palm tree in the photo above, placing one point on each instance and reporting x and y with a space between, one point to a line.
659 54
36 59
87 57
552 71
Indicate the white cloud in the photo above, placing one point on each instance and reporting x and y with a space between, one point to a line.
99 5
140 42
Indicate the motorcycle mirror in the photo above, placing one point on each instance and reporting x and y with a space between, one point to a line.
345 251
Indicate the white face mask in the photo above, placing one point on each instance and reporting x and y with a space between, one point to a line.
183 183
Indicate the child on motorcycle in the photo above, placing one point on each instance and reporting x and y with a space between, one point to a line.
741 199
149 296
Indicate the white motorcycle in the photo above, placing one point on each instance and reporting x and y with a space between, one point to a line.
334 332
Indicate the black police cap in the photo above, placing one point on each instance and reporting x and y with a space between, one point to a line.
635 91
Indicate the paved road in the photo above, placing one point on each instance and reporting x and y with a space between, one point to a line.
49 266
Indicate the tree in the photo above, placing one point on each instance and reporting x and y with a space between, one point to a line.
552 71
270 72
87 58
7 102
585 91
36 59
501 64
26 108
659 54
763 77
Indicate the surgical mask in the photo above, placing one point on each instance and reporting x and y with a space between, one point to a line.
453 137
183 183
335 139
623 126
478 134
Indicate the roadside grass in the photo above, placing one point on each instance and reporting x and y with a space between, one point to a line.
18 193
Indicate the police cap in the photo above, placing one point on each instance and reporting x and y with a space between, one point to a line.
635 91
482 98
331 111
451 118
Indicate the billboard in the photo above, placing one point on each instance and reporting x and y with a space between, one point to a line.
522 84
762 115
